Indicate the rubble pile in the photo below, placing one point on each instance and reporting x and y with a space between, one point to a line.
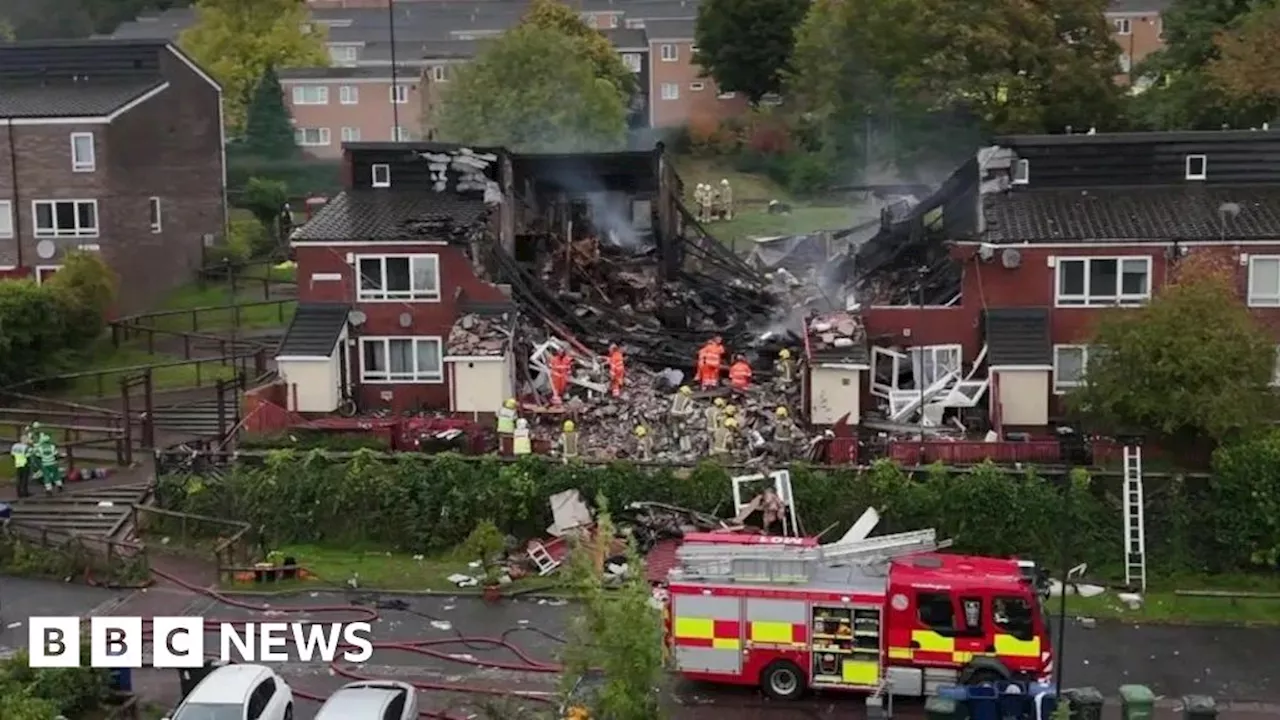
477 335
836 331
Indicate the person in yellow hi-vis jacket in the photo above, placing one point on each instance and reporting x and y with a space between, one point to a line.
521 443
21 452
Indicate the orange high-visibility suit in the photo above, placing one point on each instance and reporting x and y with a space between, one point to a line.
740 375
617 370
561 368
709 366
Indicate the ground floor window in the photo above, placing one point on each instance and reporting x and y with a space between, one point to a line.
401 360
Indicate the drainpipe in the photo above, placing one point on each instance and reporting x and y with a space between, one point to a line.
17 206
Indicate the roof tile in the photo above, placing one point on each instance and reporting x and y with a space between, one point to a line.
314 330
393 216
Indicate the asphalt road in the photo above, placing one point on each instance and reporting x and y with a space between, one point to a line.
1231 664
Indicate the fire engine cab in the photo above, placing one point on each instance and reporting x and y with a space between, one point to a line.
888 613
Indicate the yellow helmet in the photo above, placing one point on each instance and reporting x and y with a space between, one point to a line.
784 353
569 426
641 431
731 409
686 390
781 411
510 404
719 402
730 423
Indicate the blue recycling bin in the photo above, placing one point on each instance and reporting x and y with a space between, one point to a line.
121 679
6 511
1004 701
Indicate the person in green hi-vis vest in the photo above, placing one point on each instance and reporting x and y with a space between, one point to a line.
47 461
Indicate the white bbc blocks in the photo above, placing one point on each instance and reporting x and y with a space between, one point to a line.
177 642
54 642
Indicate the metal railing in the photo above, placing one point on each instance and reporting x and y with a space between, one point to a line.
232 545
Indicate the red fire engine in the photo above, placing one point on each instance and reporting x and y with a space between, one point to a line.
886 612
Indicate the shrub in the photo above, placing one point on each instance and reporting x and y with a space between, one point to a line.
807 174
86 288
28 693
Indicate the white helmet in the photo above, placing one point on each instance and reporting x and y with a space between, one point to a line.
724 181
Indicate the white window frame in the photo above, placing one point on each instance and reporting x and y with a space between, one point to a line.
632 61
438 74
669 52
726 95
153 214
633 23
399 133
322 135
1060 386
1204 167
1022 172
399 94
697 86
79 164
431 295
40 271
1087 299
300 95
385 170
6 218
344 53
418 376
350 134
55 232
349 95
675 91
1255 296
1123 26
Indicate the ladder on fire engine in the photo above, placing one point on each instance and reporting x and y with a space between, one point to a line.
1135 533
783 563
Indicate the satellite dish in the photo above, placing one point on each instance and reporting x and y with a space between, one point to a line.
986 251
1011 258
357 317
405 320
46 249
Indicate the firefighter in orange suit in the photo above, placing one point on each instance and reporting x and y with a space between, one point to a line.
709 360
561 368
740 374
617 370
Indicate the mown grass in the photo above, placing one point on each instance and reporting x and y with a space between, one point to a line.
1162 605
252 316
105 358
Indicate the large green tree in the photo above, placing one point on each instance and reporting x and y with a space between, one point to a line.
557 16
268 130
1247 69
1182 93
1193 365
925 66
534 89
745 45
238 41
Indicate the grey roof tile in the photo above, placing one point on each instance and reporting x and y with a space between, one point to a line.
344 73
669 29
1129 214
1018 336
314 330
66 99
392 216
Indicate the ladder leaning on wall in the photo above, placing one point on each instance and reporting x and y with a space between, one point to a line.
1135 532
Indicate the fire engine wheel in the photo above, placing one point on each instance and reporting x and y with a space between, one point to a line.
782 680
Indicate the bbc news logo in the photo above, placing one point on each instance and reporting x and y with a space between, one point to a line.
180 642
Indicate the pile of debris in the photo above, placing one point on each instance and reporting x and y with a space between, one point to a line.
480 335
837 332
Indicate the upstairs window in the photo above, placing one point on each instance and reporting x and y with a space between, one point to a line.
381 175
669 53
399 277
153 205
344 53
1264 281
400 94
66 218
310 95
632 61
349 95
1103 281
634 23
1123 26
1022 172
438 74
82 154
1197 167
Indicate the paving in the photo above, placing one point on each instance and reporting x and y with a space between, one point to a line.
1235 665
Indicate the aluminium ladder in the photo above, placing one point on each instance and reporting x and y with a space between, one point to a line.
1135 533
792 564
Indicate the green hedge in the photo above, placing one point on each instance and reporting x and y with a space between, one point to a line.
28 693
420 504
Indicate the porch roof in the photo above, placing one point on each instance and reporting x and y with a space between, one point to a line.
1018 337
314 330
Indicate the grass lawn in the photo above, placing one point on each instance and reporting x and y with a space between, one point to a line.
193 296
1161 605
751 196
383 570
104 357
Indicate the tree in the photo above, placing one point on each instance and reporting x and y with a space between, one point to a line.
87 288
617 638
534 89
1247 68
268 129
238 41
927 67
746 44
1163 369
1181 94
553 15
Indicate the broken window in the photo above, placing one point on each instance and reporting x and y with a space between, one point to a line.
399 277
933 362
1103 281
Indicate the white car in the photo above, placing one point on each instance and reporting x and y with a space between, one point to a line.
371 700
238 692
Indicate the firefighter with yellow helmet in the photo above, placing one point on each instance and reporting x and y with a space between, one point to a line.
569 440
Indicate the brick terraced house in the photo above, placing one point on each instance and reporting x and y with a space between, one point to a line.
1048 232
109 146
